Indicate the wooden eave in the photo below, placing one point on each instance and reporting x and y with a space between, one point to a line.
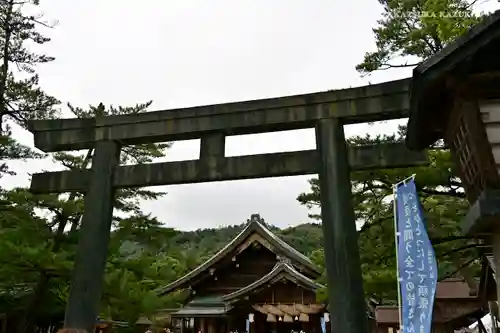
428 87
253 227
487 284
282 271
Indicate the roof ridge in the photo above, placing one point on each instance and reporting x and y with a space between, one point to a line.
255 218
254 224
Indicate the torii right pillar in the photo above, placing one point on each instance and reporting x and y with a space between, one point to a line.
347 304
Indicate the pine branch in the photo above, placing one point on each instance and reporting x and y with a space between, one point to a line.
385 66
445 193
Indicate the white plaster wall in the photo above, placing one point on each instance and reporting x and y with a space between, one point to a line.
490 114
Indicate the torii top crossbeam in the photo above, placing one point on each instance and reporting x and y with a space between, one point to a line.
389 100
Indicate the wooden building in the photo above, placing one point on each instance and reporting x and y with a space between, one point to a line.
257 278
456 307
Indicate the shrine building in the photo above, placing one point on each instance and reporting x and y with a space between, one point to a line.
256 283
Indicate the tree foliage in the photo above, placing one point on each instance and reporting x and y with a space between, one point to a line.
144 255
60 215
412 30
444 203
21 97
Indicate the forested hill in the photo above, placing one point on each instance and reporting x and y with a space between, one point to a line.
305 238
191 248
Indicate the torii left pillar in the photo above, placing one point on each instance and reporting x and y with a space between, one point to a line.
86 287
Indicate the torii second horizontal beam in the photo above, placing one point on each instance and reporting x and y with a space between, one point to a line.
228 168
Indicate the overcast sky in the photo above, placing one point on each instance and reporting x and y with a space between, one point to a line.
182 53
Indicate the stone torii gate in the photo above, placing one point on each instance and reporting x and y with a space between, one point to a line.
327 112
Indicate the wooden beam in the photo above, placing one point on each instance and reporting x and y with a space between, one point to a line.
389 100
228 168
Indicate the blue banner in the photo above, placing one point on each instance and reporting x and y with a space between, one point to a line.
323 324
417 264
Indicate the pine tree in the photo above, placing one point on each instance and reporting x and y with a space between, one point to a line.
21 97
66 212
413 30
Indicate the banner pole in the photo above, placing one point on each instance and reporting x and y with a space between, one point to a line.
404 181
396 238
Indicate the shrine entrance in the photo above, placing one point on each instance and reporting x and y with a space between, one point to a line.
327 112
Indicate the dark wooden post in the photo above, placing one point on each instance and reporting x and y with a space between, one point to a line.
86 287
345 292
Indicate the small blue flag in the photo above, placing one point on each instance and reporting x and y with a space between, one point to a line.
417 264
